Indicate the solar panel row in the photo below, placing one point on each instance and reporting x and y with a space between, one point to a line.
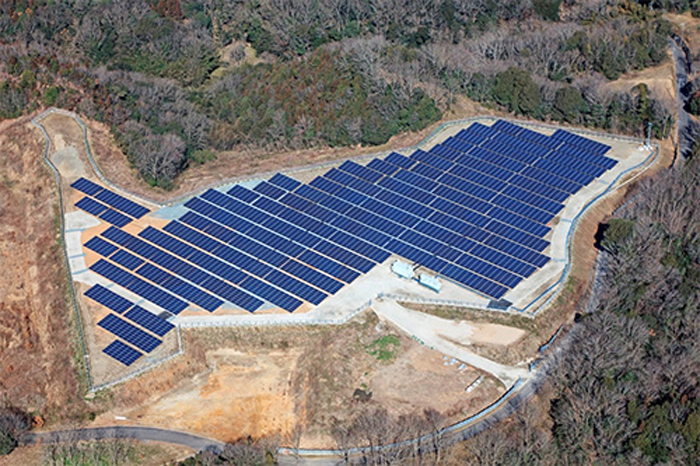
139 286
517 215
122 352
115 218
177 267
474 209
137 337
100 246
108 298
149 321
91 206
121 203
103 200
129 333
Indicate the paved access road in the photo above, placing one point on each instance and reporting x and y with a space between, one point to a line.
686 130
195 442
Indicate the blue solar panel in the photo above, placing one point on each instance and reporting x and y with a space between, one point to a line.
126 259
382 166
574 139
86 186
91 206
100 246
179 287
121 352
243 194
129 333
284 182
108 298
115 218
310 275
399 160
121 203
280 298
269 190
149 321
474 209
139 287
360 171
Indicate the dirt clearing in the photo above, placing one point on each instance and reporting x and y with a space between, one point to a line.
235 383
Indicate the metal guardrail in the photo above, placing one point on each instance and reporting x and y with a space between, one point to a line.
453 303
276 323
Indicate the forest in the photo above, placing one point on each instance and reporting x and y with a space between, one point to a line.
624 390
178 81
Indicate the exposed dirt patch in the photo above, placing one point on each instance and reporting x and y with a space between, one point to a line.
37 343
420 375
235 383
496 334
660 80
243 394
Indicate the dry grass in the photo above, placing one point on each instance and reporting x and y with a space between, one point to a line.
38 339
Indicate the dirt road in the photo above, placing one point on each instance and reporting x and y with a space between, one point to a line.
434 331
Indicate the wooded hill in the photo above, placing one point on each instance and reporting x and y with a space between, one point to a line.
175 83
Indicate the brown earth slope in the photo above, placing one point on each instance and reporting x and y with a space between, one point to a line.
37 371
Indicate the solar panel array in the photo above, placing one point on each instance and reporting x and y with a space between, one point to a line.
107 205
474 209
133 327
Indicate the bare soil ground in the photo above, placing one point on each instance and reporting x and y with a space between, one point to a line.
37 339
660 80
234 383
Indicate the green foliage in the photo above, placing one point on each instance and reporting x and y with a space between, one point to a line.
385 348
27 80
616 232
693 105
13 424
7 443
516 91
655 428
547 9
50 95
13 101
200 157
569 105
691 430
318 99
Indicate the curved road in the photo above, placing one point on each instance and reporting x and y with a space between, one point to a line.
195 442
286 456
